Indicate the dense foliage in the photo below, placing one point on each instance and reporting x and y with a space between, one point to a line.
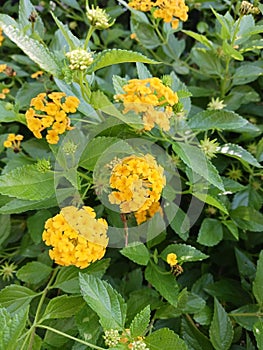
131 184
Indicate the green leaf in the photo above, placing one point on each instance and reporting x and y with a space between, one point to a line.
211 200
104 300
163 281
33 272
15 297
218 120
193 337
63 306
94 150
142 71
247 218
27 182
258 333
165 339
231 228
221 330
137 252
195 159
25 10
9 115
246 267
247 73
199 37
210 233
180 222
258 282
36 223
16 206
140 322
116 56
5 227
185 253
11 328
246 316
230 51
239 153
189 303
36 51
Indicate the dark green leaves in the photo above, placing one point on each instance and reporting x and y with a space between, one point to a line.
165 339
137 252
104 300
258 282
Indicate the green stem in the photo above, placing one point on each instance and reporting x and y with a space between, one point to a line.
249 314
70 337
38 311
89 34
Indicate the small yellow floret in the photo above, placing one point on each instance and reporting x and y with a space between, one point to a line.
171 259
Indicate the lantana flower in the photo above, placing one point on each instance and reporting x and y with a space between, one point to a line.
168 10
150 98
77 237
137 182
79 59
98 18
50 111
13 141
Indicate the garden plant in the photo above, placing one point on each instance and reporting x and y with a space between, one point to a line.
131 179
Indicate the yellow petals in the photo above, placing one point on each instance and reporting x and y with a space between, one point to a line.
13 141
137 183
50 111
2 38
152 99
77 237
168 10
37 74
171 259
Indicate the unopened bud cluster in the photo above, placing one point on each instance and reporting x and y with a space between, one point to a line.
98 18
79 59
247 8
111 337
138 345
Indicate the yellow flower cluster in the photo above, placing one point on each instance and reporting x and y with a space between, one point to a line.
144 215
3 93
2 38
168 10
151 98
50 111
77 237
13 141
138 183
3 68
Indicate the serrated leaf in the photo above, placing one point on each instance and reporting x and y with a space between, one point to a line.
218 120
246 74
140 322
116 56
165 339
210 233
194 158
221 330
63 306
194 338
199 37
232 228
33 272
258 282
137 252
15 297
27 182
118 83
142 71
33 49
211 200
5 227
247 218
104 300
184 252
11 327
163 281
239 153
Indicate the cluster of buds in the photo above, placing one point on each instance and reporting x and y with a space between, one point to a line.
13 141
79 59
111 337
98 18
9 71
247 8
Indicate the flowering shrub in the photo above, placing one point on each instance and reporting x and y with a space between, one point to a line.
131 175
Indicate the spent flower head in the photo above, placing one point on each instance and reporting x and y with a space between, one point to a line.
79 59
209 147
215 104
234 173
247 8
98 18
7 271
